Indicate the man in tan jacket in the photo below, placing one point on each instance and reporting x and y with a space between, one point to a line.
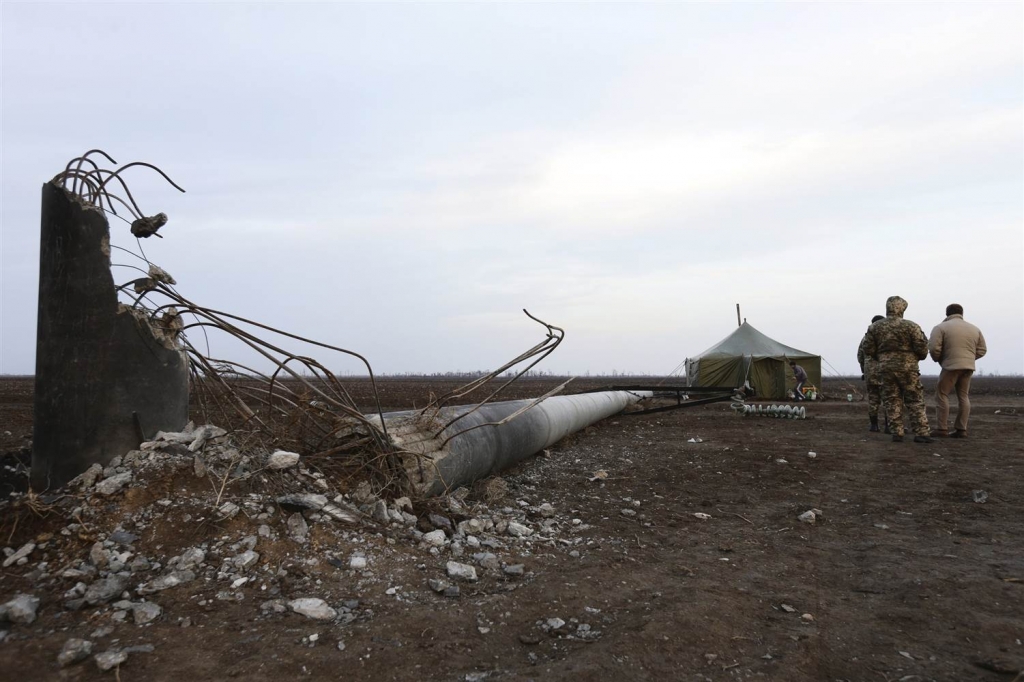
955 344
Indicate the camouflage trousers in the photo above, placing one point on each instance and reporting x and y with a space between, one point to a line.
875 400
902 388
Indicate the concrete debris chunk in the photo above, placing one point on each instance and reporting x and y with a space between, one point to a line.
114 484
228 510
22 609
436 538
808 517
191 557
519 530
146 612
461 571
313 607
246 559
303 501
88 478
339 513
25 550
74 651
109 660
165 582
282 459
205 433
298 529
102 591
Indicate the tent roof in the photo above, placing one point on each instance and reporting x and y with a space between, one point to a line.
748 341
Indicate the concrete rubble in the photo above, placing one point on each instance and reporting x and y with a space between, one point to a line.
119 565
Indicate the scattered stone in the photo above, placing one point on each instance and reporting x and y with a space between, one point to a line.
807 618
979 496
380 512
274 606
109 660
404 504
198 467
702 516
313 607
518 530
435 538
357 562
452 591
114 484
123 537
787 608
440 522
298 529
438 586
628 512
529 639
203 434
146 612
21 609
102 591
515 570
74 651
191 557
246 559
228 510
547 510
172 579
487 560
282 459
808 517
340 514
555 623
812 455
25 550
461 571
303 501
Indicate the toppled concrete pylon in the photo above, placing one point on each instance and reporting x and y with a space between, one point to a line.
492 437
107 375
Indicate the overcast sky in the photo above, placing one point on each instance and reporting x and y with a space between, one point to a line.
403 179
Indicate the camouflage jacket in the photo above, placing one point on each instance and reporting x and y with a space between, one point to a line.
896 344
868 365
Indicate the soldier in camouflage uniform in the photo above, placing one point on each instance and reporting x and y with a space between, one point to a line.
872 375
898 345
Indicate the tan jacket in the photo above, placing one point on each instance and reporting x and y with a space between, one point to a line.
956 344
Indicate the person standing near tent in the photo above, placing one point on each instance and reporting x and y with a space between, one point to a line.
801 379
899 345
873 377
955 344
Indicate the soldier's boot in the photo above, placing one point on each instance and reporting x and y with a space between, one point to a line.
897 438
923 439
874 424
958 434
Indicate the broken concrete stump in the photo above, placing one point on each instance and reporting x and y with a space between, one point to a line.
106 376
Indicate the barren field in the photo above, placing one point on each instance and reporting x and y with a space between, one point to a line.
904 576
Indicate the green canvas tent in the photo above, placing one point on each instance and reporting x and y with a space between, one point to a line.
749 355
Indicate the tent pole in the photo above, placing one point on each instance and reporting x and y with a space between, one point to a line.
738 323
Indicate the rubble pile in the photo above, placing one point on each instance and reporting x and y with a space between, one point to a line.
167 532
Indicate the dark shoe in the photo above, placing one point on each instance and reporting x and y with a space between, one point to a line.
874 425
897 438
940 434
923 439
958 434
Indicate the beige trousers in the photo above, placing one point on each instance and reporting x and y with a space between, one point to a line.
960 379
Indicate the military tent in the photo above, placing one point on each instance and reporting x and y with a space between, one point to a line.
749 355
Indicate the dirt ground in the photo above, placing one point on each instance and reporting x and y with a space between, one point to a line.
903 577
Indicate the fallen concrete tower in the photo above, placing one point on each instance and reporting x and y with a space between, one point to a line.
483 440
